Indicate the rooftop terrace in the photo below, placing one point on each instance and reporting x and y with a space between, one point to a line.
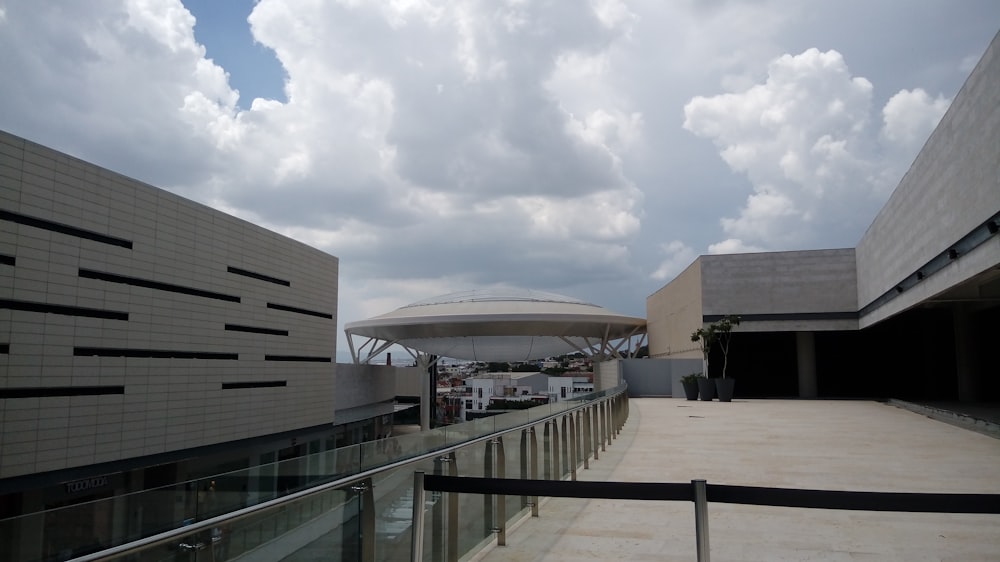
834 445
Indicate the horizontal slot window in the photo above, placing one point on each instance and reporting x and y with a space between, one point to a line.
261 384
149 284
305 358
64 229
258 276
256 330
63 309
7 260
786 317
51 391
297 310
151 353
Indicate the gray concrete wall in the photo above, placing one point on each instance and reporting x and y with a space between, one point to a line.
159 268
409 380
361 385
657 377
782 283
951 187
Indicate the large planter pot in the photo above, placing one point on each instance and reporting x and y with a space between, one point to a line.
725 388
690 389
706 388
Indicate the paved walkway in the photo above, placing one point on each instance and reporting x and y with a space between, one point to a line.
837 445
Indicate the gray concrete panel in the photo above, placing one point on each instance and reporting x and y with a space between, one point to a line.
815 281
951 187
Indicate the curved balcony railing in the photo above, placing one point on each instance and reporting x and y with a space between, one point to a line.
365 513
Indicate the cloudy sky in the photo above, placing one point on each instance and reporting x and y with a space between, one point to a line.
592 149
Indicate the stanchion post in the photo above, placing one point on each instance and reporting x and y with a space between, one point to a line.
701 519
417 529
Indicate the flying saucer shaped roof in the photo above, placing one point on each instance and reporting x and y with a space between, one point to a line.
499 325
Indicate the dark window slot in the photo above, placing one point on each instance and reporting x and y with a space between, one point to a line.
7 260
4 348
52 391
63 310
151 353
64 229
305 358
787 316
262 384
297 310
136 282
256 330
258 276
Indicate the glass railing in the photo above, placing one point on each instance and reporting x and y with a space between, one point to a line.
351 503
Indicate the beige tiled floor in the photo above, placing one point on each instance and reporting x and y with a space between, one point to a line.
837 445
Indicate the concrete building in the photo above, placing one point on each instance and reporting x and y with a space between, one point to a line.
910 312
147 340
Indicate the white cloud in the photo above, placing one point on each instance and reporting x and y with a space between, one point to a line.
732 246
679 256
437 145
910 116
805 140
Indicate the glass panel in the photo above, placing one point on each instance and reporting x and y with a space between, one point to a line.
320 520
475 519
393 492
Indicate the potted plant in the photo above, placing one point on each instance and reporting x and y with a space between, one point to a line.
705 337
723 334
690 383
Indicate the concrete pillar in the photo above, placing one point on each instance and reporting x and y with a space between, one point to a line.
965 354
426 396
805 348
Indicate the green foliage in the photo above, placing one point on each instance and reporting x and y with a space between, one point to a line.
693 377
720 331
525 368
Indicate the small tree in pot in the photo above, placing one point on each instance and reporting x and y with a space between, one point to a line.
706 336
724 334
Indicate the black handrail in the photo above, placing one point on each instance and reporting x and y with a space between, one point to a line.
746 495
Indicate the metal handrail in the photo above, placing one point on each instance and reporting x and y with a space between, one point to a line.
175 534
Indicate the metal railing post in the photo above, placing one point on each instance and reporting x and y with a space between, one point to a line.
367 496
525 500
595 419
556 472
585 422
701 519
580 455
564 459
604 427
611 420
547 448
452 534
501 500
534 469
572 447
417 528
488 499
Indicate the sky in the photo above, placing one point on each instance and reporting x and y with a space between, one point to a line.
587 148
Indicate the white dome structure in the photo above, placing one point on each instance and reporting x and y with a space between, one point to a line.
497 325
